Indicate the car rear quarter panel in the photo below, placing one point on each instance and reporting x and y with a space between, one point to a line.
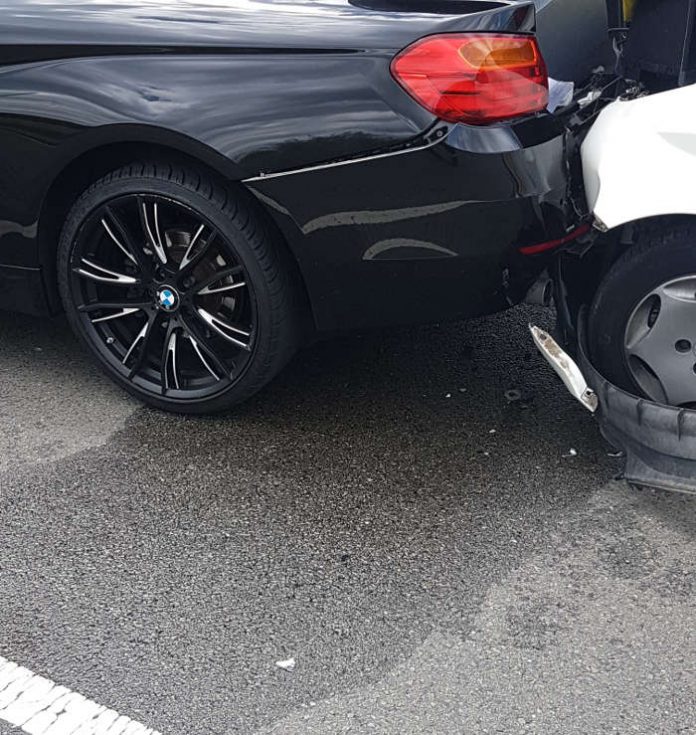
253 86
277 113
274 92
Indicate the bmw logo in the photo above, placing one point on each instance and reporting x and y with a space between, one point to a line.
167 298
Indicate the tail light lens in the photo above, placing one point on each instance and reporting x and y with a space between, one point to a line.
475 78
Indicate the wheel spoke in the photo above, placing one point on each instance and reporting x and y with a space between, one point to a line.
151 228
206 291
206 365
227 331
194 241
219 369
204 288
117 241
107 305
117 231
191 259
96 272
145 341
141 335
118 315
169 360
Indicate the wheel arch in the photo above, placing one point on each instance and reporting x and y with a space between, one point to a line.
582 273
628 234
116 148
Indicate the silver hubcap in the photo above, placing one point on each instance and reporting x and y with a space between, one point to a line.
660 343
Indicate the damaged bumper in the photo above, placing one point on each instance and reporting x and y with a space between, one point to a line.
659 442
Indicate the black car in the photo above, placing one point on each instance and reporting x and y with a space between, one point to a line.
201 185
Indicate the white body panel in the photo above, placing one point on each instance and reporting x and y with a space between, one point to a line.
639 159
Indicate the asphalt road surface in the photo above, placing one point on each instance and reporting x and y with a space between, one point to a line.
431 555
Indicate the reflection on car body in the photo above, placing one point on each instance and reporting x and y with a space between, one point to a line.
201 186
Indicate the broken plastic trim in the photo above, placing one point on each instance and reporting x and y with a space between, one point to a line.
544 247
565 368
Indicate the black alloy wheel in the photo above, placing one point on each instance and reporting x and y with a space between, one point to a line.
171 286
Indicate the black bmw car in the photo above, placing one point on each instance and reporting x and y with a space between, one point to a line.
199 185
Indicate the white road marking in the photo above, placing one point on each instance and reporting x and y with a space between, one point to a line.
40 707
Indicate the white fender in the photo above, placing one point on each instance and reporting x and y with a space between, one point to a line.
639 159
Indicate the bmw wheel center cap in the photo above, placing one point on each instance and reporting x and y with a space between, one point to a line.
167 299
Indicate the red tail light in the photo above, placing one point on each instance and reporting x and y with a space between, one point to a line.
475 78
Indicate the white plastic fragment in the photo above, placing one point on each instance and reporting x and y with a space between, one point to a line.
566 369
571 453
288 665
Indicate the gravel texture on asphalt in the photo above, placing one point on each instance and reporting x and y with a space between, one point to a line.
424 546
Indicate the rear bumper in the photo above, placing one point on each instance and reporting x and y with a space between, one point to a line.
429 235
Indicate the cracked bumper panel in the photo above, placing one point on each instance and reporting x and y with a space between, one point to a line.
659 441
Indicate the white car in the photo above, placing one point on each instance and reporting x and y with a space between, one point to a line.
629 299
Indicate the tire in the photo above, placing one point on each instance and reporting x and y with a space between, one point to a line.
662 256
210 291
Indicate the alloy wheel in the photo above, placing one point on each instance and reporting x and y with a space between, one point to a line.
163 297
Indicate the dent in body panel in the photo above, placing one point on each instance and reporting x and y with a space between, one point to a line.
302 112
51 112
